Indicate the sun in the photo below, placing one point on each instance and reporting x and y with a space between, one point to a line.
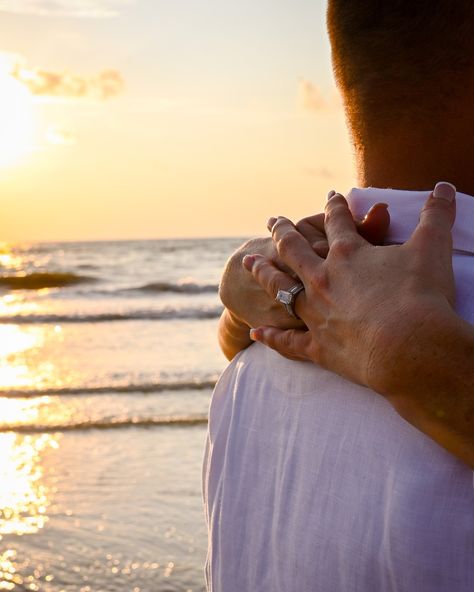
17 118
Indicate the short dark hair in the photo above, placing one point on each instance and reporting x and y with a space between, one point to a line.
400 59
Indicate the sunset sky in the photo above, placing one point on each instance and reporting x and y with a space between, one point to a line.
165 118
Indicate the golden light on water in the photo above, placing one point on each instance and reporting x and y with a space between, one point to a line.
14 371
12 304
17 118
24 497
8 575
8 259
25 362
15 412
14 340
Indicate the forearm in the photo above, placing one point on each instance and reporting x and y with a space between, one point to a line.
233 334
430 382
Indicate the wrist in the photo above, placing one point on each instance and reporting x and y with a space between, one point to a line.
429 379
410 343
233 334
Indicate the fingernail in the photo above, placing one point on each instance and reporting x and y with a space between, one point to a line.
248 262
332 193
376 206
271 223
444 190
254 334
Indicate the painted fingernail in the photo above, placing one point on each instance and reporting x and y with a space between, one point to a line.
248 262
332 193
254 334
271 223
444 190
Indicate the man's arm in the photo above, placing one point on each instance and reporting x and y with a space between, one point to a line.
429 378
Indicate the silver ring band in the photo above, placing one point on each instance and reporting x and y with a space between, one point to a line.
288 298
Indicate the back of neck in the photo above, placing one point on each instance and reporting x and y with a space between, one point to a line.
406 159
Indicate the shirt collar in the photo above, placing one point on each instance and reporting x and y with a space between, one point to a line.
405 207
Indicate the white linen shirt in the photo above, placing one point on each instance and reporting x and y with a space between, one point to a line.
315 484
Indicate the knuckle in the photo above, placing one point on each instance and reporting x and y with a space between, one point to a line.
287 340
271 339
435 234
266 276
437 213
319 281
338 202
273 286
343 247
281 220
288 242
283 340
438 205
259 268
329 214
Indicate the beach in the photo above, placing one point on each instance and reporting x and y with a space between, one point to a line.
105 382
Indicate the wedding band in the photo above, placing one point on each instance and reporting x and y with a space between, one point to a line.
288 298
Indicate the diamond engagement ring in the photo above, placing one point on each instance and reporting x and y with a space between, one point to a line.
288 297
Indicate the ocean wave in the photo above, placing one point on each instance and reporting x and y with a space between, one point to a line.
37 280
179 288
157 387
134 422
107 317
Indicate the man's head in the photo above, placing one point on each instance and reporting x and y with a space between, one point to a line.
400 62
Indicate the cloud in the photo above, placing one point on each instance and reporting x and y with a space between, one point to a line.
310 96
60 136
319 172
105 85
68 8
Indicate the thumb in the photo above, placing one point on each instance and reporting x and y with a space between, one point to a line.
436 220
374 226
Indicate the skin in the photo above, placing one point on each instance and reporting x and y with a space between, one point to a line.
250 305
363 339
438 354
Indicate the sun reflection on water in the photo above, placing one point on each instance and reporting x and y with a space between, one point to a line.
9 260
24 493
24 497
25 362
8 576
17 304
14 341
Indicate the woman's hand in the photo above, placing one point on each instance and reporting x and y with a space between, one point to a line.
382 316
249 305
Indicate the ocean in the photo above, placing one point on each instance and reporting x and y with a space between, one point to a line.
108 356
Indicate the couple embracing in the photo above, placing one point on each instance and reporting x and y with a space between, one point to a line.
340 451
